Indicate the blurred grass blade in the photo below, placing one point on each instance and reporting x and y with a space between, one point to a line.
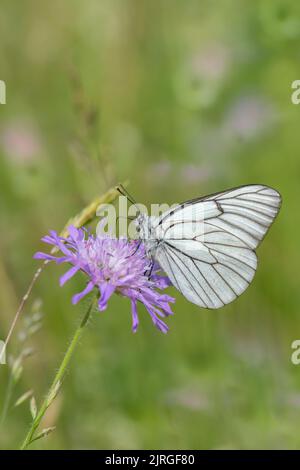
53 393
23 398
33 407
45 432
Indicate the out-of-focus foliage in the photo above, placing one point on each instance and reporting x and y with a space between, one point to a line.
183 98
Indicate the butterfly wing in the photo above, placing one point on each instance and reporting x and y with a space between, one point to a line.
207 246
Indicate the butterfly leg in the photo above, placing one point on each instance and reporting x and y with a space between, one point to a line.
137 248
149 272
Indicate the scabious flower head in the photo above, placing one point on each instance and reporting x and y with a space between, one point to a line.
113 265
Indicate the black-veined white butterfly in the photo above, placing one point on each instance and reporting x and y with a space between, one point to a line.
207 245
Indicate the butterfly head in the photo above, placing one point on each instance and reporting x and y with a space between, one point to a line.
144 227
141 226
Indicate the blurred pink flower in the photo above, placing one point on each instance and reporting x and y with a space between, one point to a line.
212 62
159 171
249 117
201 76
192 173
293 400
20 142
189 397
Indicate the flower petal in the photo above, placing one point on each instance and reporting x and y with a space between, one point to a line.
80 295
46 256
59 242
157 321
76 233
48 239
70 273
41 255
135 318
166 308
106 291
161 282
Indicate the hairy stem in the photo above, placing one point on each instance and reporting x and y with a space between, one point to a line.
53 390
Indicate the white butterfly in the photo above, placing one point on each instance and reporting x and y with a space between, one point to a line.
207 245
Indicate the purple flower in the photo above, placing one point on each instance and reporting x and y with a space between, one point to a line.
113 265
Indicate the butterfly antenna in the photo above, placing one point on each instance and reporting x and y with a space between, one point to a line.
120 188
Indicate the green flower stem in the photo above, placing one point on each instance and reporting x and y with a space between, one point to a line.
57 380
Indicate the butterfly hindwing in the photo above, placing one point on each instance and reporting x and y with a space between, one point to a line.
207 245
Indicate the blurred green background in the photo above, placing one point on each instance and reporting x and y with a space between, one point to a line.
183 99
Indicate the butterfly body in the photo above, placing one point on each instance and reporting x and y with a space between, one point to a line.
145 227
207 245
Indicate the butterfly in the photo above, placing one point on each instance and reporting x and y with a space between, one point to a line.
207 245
